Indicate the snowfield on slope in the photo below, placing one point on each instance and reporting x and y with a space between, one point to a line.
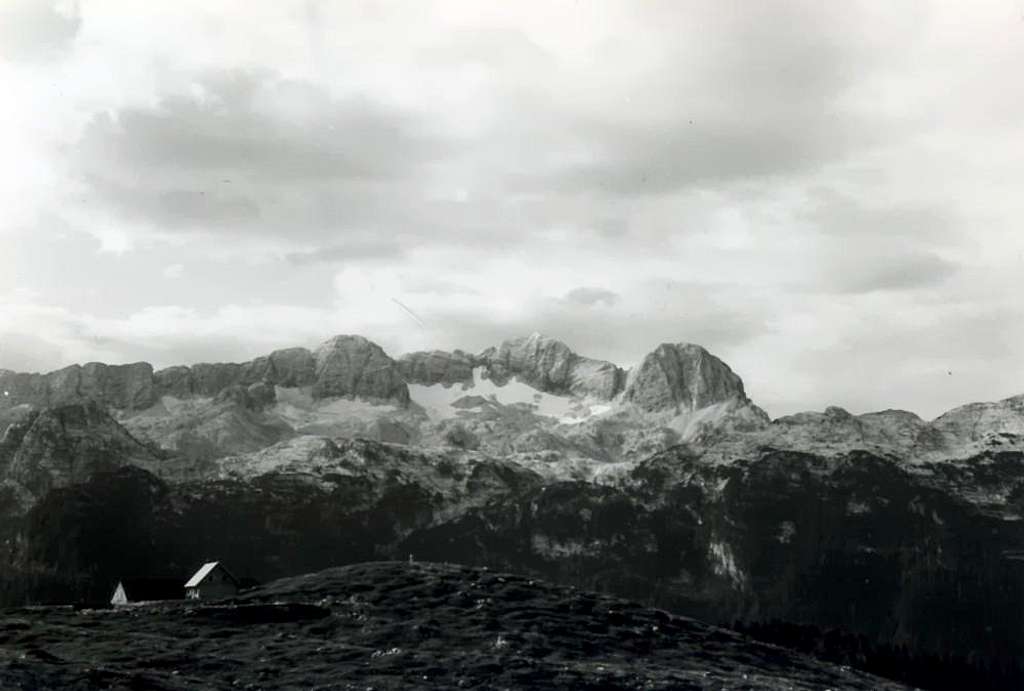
439 400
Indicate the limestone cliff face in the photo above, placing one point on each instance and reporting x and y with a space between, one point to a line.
682 377
976 421
66 445
551 366
897 430
287 367
355 366
128 387
686 492
234 407
438 367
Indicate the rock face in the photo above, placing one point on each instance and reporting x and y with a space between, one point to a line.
550 366
682 377
128 387
290 367
174 381
136 386
438 367
893 429
671 486
67 445
253 397
976 421
354 366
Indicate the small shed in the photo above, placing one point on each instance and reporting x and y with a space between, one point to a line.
131 590
211 581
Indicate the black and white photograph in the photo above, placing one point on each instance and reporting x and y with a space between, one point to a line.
368 345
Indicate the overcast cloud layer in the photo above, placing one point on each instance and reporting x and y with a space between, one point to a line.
826 195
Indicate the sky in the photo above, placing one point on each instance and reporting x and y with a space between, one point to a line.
825 195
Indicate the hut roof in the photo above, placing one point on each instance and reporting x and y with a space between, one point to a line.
204 571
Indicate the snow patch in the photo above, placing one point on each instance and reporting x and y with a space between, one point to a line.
438 400
583 411
723 562
857 508
553 547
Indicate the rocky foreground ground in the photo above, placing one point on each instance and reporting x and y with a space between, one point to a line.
394 625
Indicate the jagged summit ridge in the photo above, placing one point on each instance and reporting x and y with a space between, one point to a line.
431 367
679 377
532 394
551 366
342 366
129 386
544 363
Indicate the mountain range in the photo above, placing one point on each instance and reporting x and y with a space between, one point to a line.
662 482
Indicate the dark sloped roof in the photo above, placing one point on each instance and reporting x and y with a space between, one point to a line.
137 589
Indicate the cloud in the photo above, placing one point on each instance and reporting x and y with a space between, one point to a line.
737 93
213 207
174 271
889 351
24 352
835 214
259 126
874 269
773 182
162 335
37 30
353 249
250 152
860 247
589 297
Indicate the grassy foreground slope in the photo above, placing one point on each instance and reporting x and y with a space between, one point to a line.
394 625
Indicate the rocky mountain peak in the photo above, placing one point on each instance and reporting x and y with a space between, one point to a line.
683 377
534 358
430 367
551 366
349 365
